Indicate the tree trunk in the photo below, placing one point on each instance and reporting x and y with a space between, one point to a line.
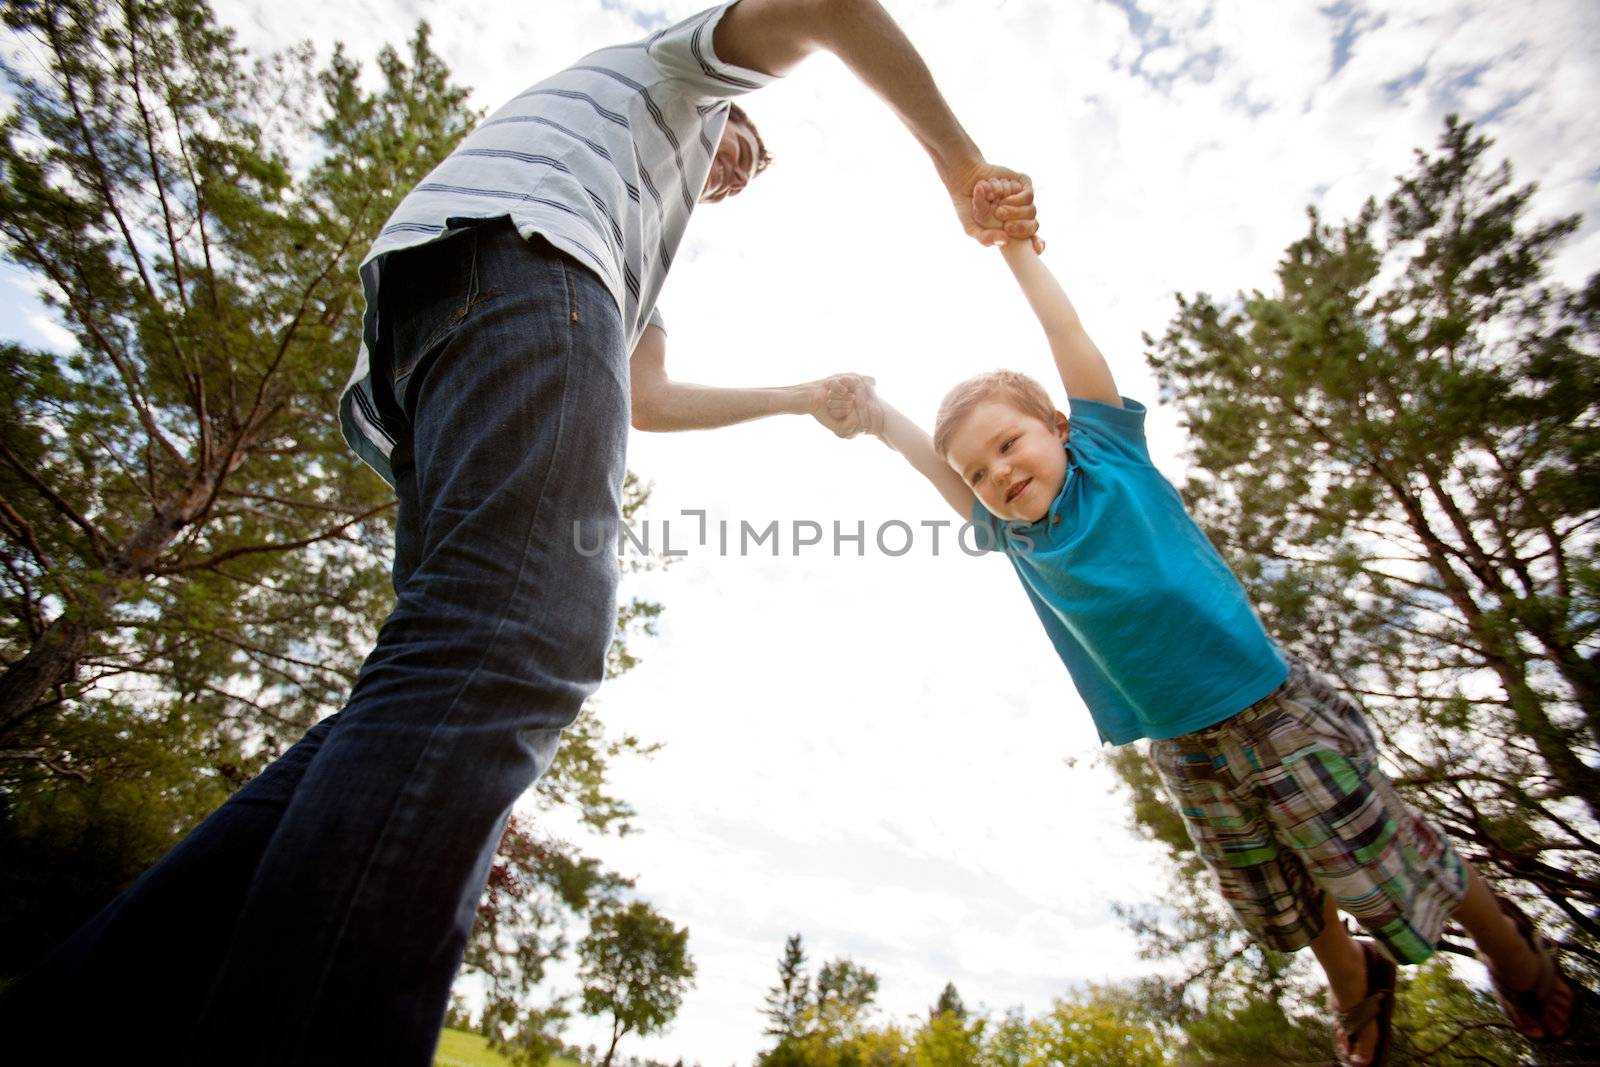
50 663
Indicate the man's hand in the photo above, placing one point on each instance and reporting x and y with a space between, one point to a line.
999 205
994 203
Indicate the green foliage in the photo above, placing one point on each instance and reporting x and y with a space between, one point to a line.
948 1039
1093 1031
63 855
844 994
537 888
818 1020
635 968
1131 1024
949 1003
1439 1019
184 529
1242 1030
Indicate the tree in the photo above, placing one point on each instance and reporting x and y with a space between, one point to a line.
817 1023
1092 1032
844 994
537 888
1005 1043
949 1003
948 1039
184 529
1398 449
635 968
787 1001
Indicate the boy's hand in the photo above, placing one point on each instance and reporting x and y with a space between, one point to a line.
1002 188
999 205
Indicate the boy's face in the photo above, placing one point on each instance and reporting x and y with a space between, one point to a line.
1011 460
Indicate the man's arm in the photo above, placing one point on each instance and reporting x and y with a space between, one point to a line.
663 405
773 36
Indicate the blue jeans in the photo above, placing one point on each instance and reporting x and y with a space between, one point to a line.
321 913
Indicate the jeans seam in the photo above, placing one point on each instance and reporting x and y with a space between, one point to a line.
428 747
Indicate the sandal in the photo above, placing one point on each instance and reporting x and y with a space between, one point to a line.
1528 1006
1376 1007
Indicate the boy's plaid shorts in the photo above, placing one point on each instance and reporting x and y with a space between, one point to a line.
1285 802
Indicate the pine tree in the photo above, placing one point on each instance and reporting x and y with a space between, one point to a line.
949 1003
788 1000
1398 448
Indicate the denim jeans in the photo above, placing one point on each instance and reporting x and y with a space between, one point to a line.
319 916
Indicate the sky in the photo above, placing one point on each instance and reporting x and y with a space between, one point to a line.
875 748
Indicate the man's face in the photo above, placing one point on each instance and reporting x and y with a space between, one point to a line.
734 164
1011 460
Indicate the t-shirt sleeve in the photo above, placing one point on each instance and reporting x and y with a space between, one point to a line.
1101 427
656 320
685 54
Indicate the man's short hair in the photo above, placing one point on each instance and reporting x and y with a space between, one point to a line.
763 157
1027 395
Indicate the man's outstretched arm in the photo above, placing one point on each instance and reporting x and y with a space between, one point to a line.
663 405
773 36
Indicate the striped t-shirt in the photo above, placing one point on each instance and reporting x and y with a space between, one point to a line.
605 160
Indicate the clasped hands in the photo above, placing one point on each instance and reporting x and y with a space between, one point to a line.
847 404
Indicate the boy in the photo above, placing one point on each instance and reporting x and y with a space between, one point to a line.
1275 772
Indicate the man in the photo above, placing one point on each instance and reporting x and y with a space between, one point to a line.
320 915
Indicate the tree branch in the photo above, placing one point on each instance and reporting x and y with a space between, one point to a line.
276 546
99 544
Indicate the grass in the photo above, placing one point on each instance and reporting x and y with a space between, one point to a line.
458 1048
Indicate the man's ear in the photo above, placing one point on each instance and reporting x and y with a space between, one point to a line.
1063 429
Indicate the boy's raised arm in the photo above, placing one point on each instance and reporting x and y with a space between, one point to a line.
1084 371
852 397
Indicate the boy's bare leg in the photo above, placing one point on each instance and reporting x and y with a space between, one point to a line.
1346 967
1501 945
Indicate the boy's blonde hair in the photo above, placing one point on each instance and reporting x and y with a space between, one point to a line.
1027 395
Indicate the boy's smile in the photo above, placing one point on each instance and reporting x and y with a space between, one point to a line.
1013 461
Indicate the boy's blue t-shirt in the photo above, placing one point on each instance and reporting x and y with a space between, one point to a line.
1156 631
